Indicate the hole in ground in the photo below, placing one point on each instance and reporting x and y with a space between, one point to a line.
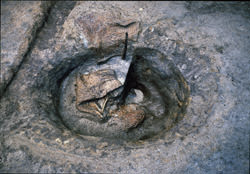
155 93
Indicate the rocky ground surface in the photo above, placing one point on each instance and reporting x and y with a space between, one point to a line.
205 128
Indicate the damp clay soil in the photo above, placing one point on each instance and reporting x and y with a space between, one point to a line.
124 87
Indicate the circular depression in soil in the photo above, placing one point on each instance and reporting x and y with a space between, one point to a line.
151 98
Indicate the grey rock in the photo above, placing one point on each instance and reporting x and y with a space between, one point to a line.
18 30
91 25
135 96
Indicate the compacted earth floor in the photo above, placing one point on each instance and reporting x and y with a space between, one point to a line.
125 87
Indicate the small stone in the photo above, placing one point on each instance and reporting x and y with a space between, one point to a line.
177 134
66 142
135 96
184 66
151 29
140 9
58 140
196 76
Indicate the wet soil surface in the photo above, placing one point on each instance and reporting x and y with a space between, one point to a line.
177 102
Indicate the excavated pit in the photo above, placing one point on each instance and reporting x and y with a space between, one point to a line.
208 42
150 98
